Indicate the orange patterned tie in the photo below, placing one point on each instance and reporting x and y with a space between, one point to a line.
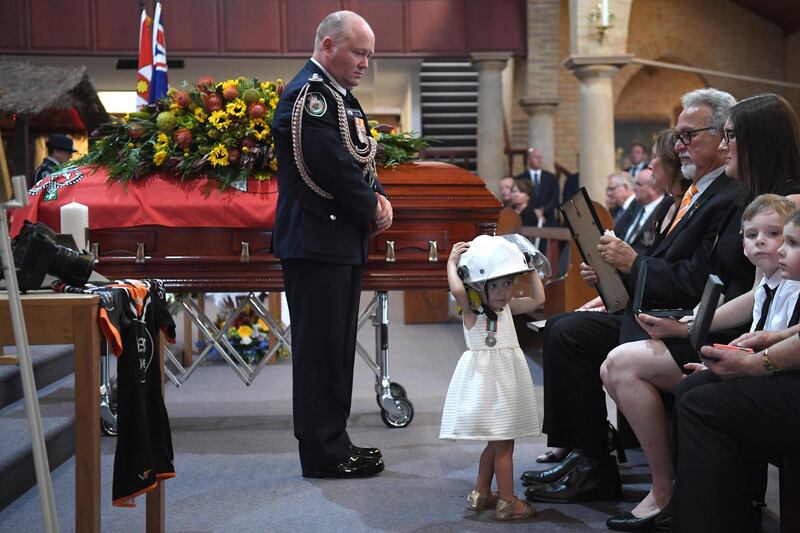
684 207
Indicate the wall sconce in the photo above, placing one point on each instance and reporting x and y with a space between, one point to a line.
600 17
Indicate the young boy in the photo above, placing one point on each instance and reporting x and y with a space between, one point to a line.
770 304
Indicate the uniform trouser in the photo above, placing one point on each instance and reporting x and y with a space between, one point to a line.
323 303
724 427
575 345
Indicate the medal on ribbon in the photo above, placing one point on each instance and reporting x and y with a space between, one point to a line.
491 332
361 129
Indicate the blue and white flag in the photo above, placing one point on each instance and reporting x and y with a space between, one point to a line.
158 83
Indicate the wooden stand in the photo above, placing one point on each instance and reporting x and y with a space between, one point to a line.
72 319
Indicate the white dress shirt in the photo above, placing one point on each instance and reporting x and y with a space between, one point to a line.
782 306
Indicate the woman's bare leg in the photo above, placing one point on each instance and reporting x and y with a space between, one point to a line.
633 375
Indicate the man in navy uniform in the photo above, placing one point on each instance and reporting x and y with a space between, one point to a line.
59 150
329 205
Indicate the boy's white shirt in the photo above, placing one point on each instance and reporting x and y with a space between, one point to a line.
783 303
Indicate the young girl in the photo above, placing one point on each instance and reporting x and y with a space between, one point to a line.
491 394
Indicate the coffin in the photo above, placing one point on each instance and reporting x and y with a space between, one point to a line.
198 239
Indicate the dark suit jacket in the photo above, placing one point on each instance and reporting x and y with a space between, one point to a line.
626 219
678 263
545 196
308 225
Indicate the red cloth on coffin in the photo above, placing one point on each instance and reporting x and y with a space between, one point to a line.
158 199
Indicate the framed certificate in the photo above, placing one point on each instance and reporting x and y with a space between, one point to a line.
586 231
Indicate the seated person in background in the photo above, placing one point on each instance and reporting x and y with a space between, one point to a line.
621 202
506 182
521 192
638 157
635 374
727 424
653 206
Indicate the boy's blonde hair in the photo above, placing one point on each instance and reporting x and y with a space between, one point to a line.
794 218
767 203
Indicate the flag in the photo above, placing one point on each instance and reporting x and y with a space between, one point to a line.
145 60
159 84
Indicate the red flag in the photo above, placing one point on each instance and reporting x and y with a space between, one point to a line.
145 60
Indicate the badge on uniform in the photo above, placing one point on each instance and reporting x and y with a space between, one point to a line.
316 104
361 130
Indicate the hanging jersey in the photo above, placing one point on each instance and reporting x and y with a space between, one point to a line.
132 314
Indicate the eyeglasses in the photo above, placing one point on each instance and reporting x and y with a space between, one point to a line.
612 189
686 137
729 136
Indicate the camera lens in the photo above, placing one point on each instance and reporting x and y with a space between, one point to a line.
72 267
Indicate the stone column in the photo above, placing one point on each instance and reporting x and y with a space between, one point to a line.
596 119
541 126
491 145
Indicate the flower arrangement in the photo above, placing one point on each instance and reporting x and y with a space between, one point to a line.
247 333
220 130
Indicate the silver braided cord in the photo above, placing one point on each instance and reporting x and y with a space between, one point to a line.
297 144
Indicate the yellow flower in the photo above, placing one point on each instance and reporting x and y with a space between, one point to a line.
162 141
229 83
200 115
173 107
245 331
159 158
219 156
260 128
262 325
374 133
273 164
220 120
236 108
265 86
273 101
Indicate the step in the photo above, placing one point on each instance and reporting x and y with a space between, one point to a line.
447 85
57 407
50 363
466 97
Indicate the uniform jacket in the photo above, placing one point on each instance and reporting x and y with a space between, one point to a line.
45 169
307 225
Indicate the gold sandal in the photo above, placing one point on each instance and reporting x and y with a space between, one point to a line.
478 501
505 510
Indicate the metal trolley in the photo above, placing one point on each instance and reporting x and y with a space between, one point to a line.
396 409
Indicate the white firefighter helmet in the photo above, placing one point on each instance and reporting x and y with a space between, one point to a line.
497 257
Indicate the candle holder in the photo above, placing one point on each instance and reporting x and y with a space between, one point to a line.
600 17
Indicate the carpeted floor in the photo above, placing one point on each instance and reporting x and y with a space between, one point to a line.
238 471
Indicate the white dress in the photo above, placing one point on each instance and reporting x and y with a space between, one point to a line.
491 393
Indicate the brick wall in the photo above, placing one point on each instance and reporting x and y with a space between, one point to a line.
712 34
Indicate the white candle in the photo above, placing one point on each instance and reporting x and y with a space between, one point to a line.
604 12
75 221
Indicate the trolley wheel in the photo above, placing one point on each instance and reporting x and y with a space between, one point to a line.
395 389
110 428
399 419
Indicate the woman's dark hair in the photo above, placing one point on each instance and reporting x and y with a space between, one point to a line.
665 150
767 145
524 185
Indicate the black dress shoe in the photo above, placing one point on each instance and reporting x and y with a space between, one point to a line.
369 453
555 473
351 467
664 518
590 479
628 522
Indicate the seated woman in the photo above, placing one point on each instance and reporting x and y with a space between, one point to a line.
760 146
521 193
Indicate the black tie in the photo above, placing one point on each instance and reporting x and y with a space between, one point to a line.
795 315
770 293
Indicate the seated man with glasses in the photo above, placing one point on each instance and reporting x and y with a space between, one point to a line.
577 343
